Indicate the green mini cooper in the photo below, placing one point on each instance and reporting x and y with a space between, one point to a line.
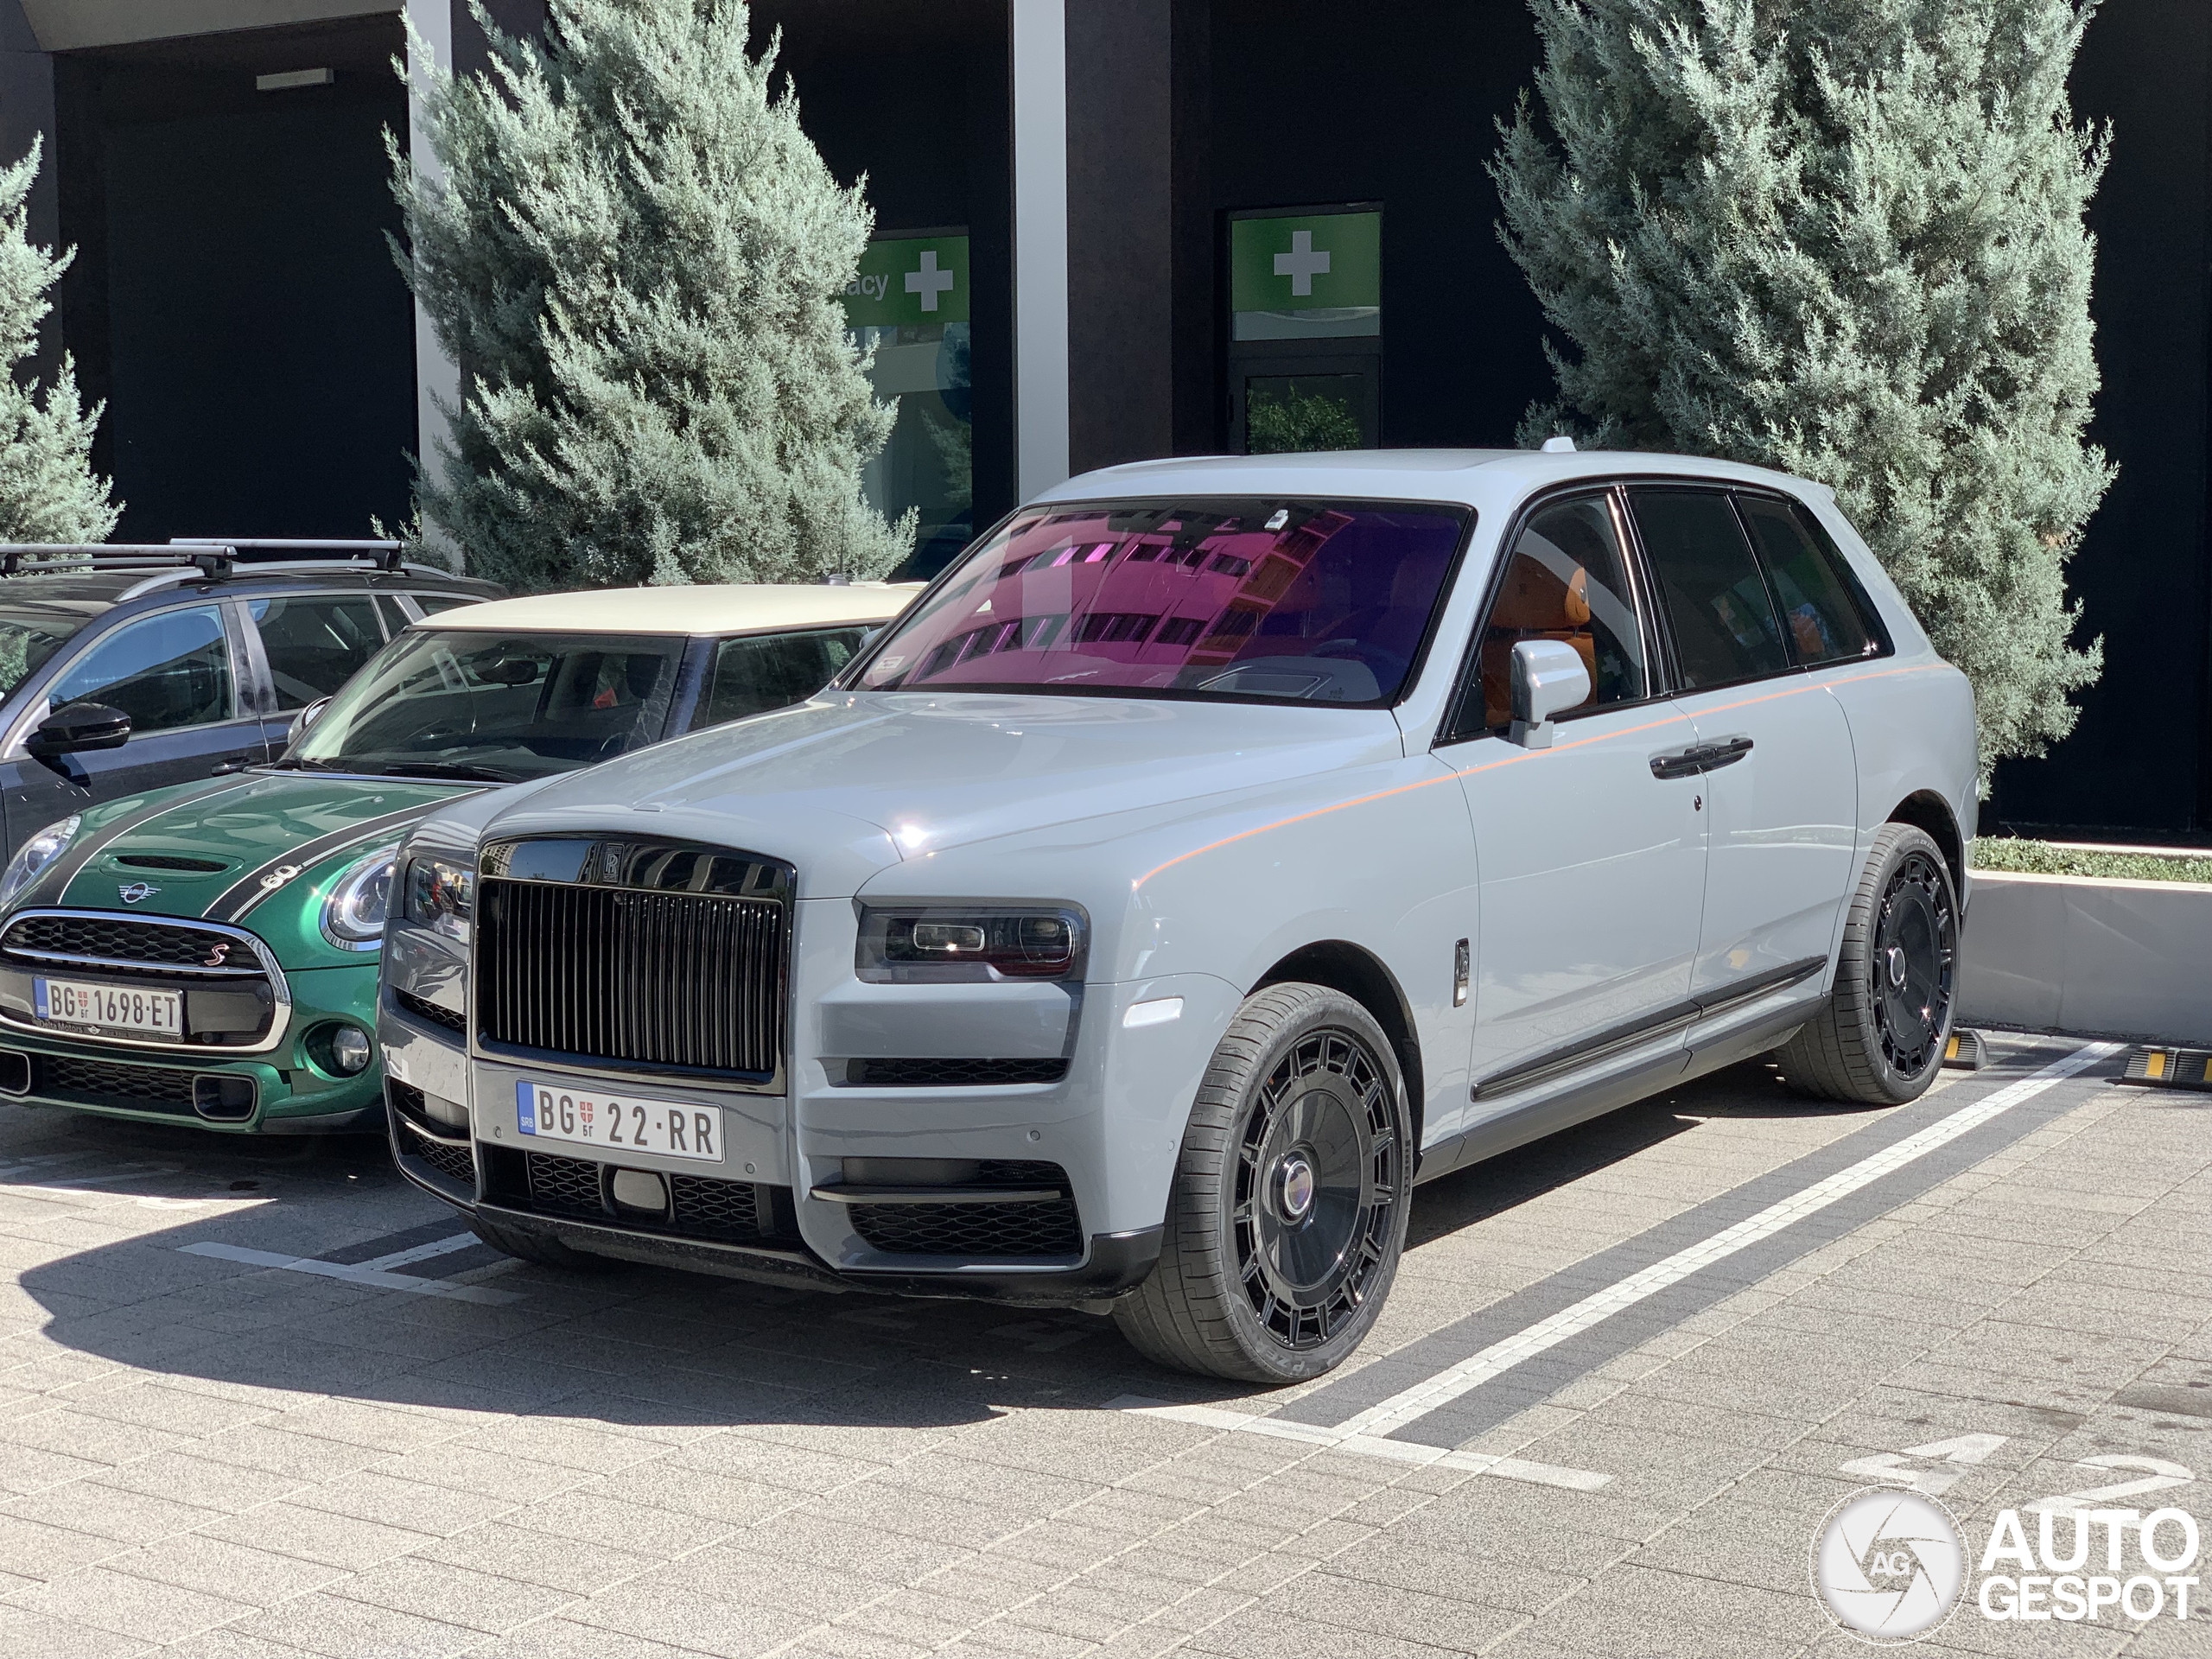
207 954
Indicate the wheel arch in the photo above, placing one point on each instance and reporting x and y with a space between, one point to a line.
1927 811
1360 974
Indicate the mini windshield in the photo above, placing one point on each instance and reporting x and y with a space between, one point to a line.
494 708
1280 600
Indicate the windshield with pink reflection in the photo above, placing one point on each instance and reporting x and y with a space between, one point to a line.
1287 601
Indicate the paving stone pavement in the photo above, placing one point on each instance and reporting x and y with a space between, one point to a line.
206 1455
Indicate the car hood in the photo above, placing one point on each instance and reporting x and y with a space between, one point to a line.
849 784
251 836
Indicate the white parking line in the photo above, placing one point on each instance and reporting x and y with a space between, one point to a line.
363 1272
421 1252
1480 1463
1403 1408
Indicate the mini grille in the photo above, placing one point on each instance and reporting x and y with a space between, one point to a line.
431 1011
564 1186
993 1230
451 1161
150 1086
707 1208
121 938
689 979
951 1074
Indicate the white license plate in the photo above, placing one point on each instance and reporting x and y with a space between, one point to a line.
109 1007
619 1122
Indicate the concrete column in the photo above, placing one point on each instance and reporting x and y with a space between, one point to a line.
1040 243
437 376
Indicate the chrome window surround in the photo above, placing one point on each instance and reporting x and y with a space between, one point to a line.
279 1024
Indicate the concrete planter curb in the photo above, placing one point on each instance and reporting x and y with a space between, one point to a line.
2072 953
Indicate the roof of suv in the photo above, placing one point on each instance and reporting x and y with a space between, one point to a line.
90 591
732 607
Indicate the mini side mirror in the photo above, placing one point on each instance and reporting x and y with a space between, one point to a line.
77 727
305 718
1548 679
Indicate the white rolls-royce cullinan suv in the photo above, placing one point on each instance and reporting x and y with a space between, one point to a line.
1217 849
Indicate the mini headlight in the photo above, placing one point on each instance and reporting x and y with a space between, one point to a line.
970 942
353 914
439 896
35 855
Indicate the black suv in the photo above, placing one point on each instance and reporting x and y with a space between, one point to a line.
210 648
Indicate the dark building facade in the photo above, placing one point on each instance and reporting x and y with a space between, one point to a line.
1107 230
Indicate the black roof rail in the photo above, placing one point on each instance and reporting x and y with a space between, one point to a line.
214 559
385 555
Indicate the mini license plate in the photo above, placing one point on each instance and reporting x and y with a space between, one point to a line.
108 1007
620 1123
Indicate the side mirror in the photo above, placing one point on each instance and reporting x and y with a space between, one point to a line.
1548 679
77 727
305 718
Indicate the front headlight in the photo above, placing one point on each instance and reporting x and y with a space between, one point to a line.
35 855
970 942
439 896
354 915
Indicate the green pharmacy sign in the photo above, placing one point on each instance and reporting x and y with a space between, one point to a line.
910 281
1306 275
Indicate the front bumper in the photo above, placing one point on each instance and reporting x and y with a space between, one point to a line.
1103 1136
284 1091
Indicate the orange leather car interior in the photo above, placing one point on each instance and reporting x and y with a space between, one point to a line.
1533 604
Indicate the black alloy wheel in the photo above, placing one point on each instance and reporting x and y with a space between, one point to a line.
1912 965
1288 1212
1318 1179
1880 1040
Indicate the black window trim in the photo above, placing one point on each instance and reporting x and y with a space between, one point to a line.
1656 651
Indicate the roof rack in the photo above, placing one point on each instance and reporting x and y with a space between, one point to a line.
385 555
215 557
53 558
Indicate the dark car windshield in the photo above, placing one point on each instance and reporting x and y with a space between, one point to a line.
1281 601
30 634
497 708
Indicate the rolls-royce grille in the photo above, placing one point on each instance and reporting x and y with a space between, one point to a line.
686 980
123 941
149 1088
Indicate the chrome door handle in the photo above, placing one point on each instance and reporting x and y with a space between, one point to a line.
1726 753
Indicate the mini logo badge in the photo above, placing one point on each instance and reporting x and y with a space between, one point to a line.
132 892
1889 1565
214 958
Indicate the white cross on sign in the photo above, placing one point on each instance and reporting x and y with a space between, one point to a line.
929 281
1301 265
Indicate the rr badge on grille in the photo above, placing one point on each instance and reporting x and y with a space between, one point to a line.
131 892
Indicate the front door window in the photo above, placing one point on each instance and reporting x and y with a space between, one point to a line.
166 672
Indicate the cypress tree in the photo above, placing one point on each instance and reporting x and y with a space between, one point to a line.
1844 239
48 492
636 254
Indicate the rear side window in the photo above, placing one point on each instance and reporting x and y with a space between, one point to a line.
315 642
432 604
166 672
772 670
1821 612
1724 621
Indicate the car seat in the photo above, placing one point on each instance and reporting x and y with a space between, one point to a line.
1533 603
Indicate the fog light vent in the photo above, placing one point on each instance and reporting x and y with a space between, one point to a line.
15 1072
638 1189
221 1098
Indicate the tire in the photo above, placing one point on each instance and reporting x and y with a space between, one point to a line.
541 1250
1287 1215
1880 1041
